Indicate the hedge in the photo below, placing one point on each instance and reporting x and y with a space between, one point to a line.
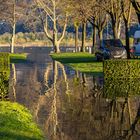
4 62
121 69
4 75
114 88
4 86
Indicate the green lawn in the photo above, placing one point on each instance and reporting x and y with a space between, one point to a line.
17 58
16 123
83 62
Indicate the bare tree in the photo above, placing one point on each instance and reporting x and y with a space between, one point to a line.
12 12
55 12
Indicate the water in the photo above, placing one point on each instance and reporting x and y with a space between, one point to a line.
69 105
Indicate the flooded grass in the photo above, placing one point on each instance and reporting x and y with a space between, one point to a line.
16 123
83 62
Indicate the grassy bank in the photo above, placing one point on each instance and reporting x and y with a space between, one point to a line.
16 123
17 58
83 62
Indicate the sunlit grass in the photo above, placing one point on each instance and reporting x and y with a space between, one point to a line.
83 62
17 57
16 123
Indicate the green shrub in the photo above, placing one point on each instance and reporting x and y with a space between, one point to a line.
121 78
122 69
4 85
114 88
4 62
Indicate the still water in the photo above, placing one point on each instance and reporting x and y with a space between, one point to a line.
69 105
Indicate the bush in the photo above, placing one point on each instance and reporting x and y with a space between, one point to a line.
4 85
121 78
122 69
114 88
4 62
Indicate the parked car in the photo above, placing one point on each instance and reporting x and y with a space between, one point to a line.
136 48
111 49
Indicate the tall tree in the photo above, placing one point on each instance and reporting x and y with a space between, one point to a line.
54 13
113 9
126 8
13 11
136 5
98 20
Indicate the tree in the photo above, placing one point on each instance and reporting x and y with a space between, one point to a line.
113 9
11 13
55 12
80 11
136 5
126 8
84 12
98 20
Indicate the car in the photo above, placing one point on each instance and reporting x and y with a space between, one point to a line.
111 49
136 48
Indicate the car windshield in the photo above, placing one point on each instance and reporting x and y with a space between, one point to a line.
112 43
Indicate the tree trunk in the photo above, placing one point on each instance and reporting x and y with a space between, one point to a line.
138 18
14 28
115 34
83 37
93 39
76 38
101 35
13 39
127 39
56 47
119 31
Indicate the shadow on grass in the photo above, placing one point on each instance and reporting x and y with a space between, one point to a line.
94 73
76 59
11 136
18 61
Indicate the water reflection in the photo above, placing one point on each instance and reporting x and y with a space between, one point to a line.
69 105
123 95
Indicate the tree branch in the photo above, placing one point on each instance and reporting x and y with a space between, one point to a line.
46 31
64 29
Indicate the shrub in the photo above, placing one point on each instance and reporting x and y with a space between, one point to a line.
4 62
122 69
114 88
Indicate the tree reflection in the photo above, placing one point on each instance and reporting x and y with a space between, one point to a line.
52 120
122 99
13 81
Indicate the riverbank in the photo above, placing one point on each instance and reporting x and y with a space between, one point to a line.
83 62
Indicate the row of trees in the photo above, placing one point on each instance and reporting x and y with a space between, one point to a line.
55 15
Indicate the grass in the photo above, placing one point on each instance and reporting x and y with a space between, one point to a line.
83 62
18 58
16 123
